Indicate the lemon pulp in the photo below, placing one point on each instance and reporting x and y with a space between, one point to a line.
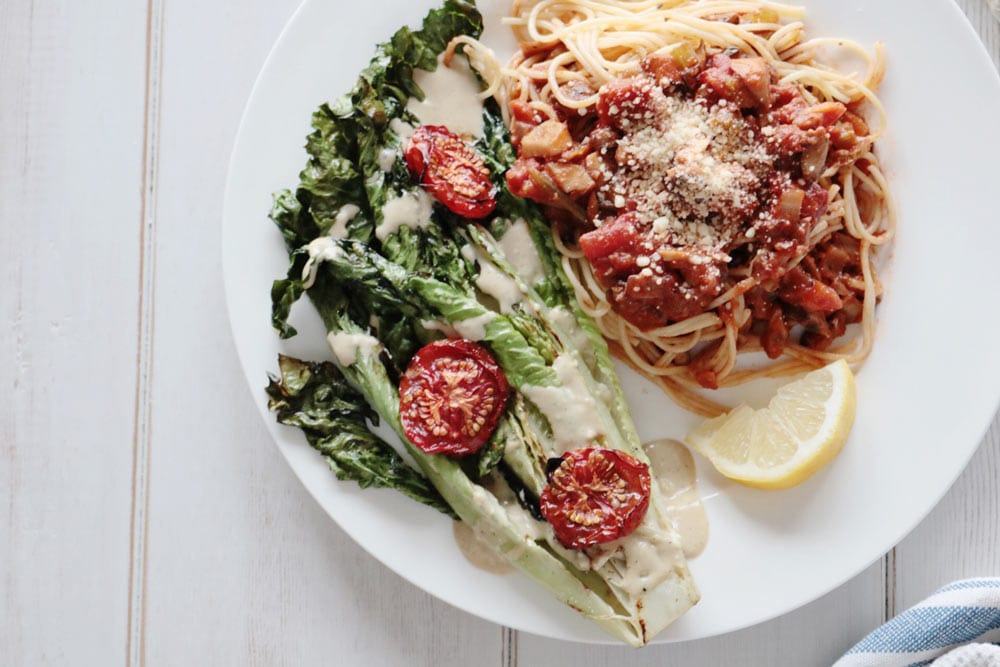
802 429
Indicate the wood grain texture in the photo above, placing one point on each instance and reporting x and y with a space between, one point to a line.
243 567
986 25
148 518
139 531
71 116
961 537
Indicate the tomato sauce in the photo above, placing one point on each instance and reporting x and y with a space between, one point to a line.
695 175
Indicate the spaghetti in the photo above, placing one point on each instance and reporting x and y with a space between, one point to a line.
712 185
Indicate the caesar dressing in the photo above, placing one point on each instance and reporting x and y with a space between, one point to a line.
320 249
651 557
569 408
401 128
451 98
345 214
474 328
478 554
410 209
673 467
519 249
496 495
494 282
564 319
387 157
346 346
438 325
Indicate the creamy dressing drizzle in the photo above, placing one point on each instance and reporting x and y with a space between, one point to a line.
410 209
650 558
401 128
451 98
673 467
387 157
474 328
470 539
478 554
519 249
492 281
323 248
570 408
320 249
437 325
564 319
347 346
345 214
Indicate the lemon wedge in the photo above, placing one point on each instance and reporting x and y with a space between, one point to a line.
803 427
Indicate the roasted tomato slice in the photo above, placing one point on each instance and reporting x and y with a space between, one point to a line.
595 495
451 397
451 171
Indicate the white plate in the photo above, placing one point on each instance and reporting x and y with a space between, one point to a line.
926 395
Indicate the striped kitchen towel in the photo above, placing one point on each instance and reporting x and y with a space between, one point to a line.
958 626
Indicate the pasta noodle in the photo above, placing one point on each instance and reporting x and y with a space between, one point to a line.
572 50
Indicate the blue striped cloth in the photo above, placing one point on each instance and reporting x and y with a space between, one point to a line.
959 625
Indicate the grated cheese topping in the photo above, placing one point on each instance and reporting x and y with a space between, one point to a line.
689 169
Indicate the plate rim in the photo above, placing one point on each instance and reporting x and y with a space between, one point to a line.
981 429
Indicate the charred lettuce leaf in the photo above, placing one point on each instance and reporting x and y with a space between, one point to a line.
334 417
350 131
387 296
348 134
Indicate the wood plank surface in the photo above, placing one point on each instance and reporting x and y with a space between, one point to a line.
986 25
961 536
71 128
148 517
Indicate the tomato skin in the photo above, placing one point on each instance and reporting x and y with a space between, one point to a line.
451 397
594 496
451 171
630 100
617 237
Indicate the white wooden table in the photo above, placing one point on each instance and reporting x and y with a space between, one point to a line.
147 518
